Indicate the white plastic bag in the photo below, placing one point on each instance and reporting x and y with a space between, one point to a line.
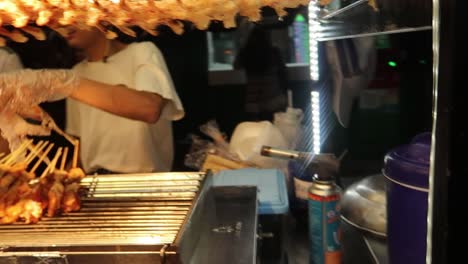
248 139
289 123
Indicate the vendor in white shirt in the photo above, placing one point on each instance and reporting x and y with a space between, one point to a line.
124 119
121 103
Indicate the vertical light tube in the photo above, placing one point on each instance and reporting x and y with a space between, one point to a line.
314 31
315 108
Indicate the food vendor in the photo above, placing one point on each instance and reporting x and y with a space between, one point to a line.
121 102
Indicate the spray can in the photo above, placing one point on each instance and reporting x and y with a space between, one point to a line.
324 221
302 167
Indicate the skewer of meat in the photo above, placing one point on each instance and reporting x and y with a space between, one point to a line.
22 198
19 188
9 171
124 14
71 200
29 207
14 35
31 204
12 157
55 193
37 33
18 179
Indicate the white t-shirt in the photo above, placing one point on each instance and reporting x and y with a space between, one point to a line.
116 143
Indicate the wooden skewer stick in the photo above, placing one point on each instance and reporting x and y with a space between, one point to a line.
41 158
7 157
62 133
75 154
36 151
73 141
32 151
64 158
46 159
35 147
39 151
53 164
16 154
25 144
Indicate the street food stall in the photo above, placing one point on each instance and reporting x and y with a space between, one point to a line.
319 146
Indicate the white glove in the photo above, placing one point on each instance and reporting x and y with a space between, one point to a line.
27 88
15 129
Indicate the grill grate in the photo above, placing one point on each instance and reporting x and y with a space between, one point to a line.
136 209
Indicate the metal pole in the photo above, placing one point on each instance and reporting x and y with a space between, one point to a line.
443 60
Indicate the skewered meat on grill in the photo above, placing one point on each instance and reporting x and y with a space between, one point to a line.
55 192
75 175
71 200
25 197
12 194
123 14
29 207
8 176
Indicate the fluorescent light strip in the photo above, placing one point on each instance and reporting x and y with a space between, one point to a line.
314 31
315 108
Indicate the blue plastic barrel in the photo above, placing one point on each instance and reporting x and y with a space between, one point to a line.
407 172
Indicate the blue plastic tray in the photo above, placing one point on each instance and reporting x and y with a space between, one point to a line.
273 196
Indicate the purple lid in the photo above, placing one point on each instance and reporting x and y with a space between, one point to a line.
409 164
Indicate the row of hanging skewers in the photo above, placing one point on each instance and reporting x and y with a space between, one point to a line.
25 197
124 14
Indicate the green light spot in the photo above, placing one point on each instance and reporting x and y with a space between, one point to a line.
300 18
423 62
392 64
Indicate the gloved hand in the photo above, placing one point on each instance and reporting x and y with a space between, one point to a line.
27 88
15 129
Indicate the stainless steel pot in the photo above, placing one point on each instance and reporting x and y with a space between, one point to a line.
364 205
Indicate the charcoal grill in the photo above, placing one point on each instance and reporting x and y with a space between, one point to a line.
142 214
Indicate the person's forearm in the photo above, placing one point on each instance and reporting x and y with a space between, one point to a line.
120 100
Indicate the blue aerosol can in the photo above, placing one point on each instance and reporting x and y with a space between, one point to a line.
324 218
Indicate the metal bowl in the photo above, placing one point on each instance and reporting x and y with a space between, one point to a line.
364 205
